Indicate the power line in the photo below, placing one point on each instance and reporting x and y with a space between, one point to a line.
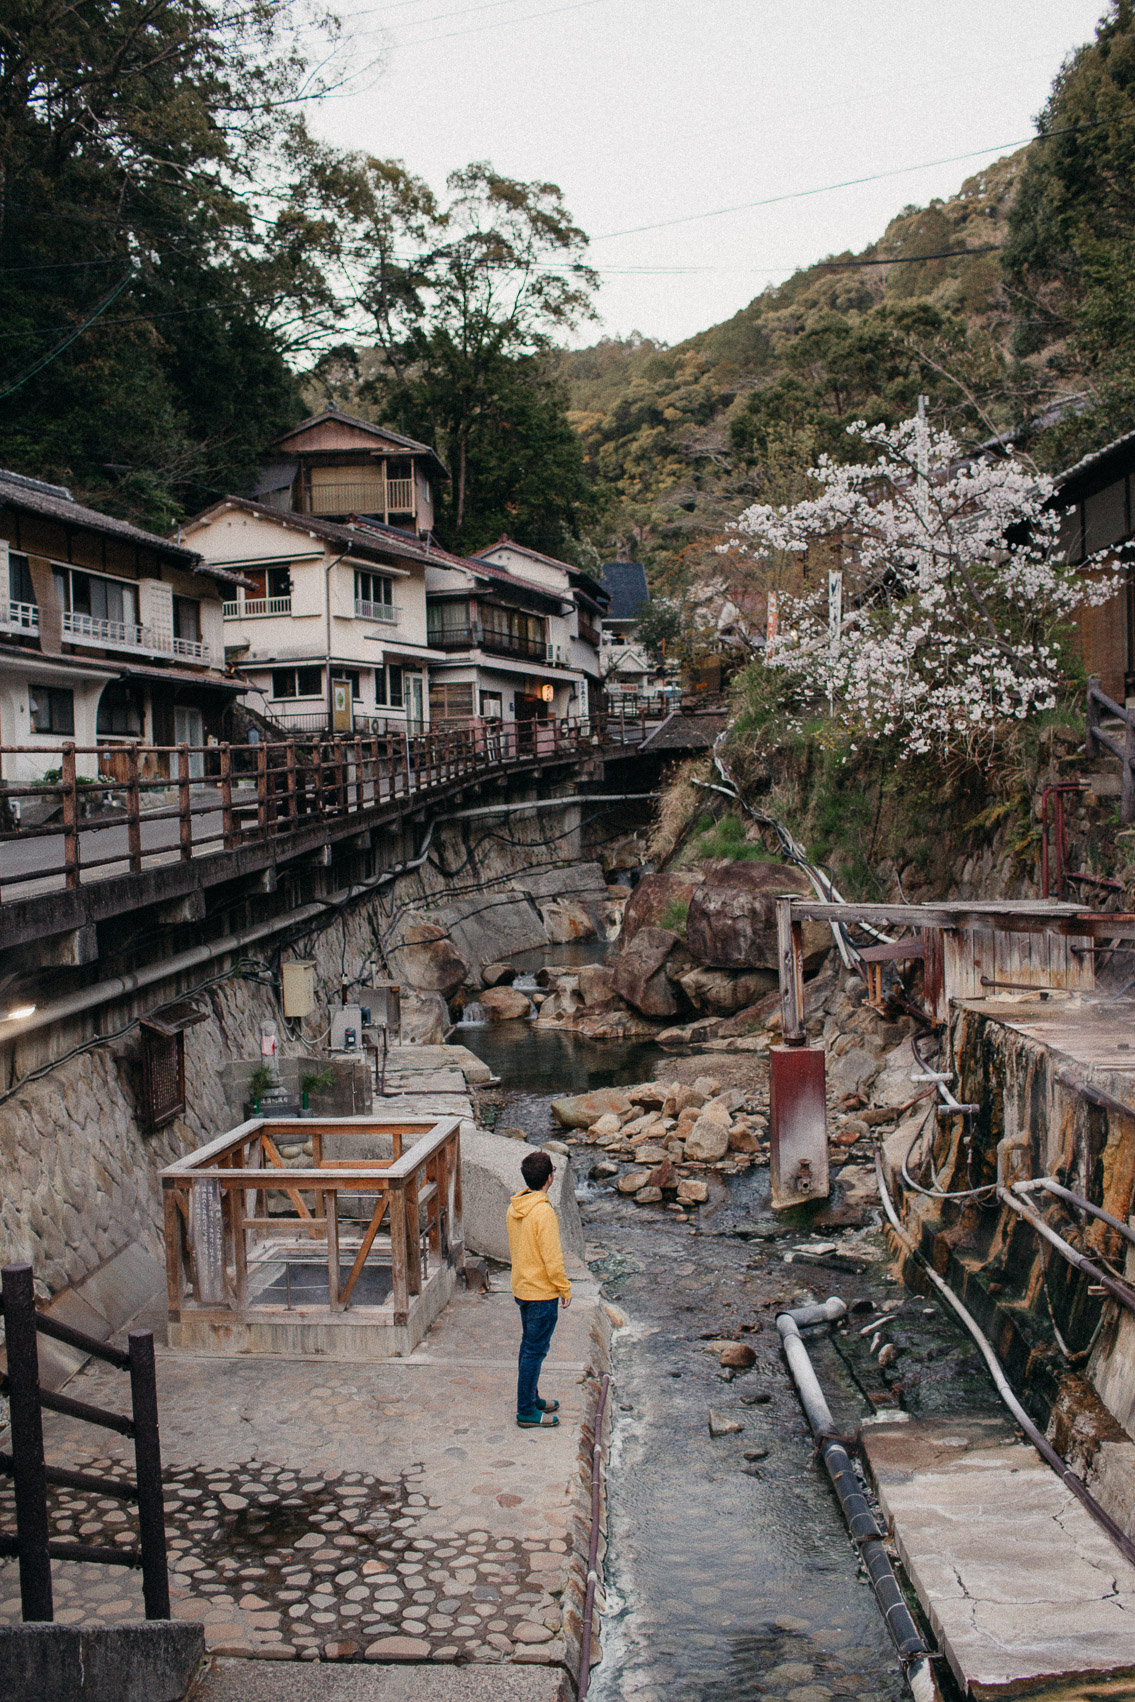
76 331
847 183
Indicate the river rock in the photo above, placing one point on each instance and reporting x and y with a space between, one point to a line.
566 921
691 1192
641 973
682 1097
603 1171
633 1181
732 917
505 1004
708 1086
742 1139
425 1018
584 1109
662 1176
429 961
607 1124
722 992
738 1356
853 1072
660 901
708 1140
720 1425
498 974
511 1134
647 1154
619 1024
648 1196
596 985
650 1094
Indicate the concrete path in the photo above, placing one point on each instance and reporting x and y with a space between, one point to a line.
237 1681
1020 1584
388 1511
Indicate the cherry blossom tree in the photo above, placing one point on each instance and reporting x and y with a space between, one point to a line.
954 599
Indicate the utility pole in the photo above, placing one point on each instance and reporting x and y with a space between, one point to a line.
922 461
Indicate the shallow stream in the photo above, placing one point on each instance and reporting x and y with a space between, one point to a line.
730 1574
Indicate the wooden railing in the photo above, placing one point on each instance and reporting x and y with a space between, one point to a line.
1097 705
125 807
222 1232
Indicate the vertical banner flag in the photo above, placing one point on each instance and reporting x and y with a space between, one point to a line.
770 623
835 609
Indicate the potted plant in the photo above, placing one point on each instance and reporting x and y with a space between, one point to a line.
314 1081
262 1078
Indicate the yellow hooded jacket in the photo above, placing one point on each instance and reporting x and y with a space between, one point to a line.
534 1245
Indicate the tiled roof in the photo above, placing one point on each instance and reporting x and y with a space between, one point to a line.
626 585
592 586
55 502
396 437
363 535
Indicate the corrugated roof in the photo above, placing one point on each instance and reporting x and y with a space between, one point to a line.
55 502
627 588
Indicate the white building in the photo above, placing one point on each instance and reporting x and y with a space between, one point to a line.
332 629
503 641
108 635
576 634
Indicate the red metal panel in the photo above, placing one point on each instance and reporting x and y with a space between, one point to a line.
798 1151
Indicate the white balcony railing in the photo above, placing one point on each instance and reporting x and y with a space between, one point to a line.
22 615
388 612
192 648
104 631
253 607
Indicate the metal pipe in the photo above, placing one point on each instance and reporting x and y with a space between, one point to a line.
912 1650
1094 1095
593 1548
1043 1447
1118 1290
1062 1193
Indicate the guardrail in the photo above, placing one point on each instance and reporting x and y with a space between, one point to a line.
1096 704
139 805
32 1544
218 1219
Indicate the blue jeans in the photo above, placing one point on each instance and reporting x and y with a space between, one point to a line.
537 1321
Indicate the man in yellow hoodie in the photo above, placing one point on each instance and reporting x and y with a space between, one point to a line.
539 1284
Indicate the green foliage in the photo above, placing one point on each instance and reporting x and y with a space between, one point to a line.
675 914
262 1078
725 841
317 1081
659 626
129 136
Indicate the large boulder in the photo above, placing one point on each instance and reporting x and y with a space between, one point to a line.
429 961
708 1140
731 922
425 1019
490 1175
596 985
584 1109
724 991
498 975
660 901
566 921
641 973
506 1004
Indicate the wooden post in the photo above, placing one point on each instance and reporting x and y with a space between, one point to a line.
413 1237
293 801
1127 792
175 1265
70 817
332 1207
790 958
148 1474
1091 718
360 802
262 788
226 756
406 756
398 1254
184 804
26 1419
456 1204
133 809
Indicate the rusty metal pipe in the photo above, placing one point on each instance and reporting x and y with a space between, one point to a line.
1043 1447
1118 1290
1050 1187
1094 1095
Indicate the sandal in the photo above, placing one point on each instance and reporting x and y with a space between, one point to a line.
547 1406
540 1421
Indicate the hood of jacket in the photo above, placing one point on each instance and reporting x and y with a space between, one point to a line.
524 1203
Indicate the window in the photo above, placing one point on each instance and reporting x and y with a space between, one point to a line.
451 702
394 687
119 712
52 709
20 587
374 588
98 599
297 682
187 619
448 623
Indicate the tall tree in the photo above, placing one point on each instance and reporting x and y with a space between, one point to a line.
147 292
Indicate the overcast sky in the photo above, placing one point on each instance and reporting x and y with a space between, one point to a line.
646 111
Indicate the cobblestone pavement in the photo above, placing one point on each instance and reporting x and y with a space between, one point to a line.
388 1511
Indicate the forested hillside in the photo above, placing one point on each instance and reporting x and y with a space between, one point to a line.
1010 305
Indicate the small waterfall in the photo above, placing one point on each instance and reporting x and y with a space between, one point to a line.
474 1015
526 983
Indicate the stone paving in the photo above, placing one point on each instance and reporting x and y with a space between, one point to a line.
388 1511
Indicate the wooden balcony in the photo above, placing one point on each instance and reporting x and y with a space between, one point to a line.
351 1254
360 496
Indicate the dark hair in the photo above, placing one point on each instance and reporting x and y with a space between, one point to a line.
536 1169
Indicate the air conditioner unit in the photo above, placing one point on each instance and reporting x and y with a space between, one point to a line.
551 649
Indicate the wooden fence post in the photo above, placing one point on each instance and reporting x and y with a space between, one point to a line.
262 787
133 809
1127 792
26 1419
148 1474
227 796
1091 717
70 816
184 804
293 801
790 953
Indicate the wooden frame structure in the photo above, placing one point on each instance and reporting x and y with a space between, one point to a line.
969 949
227 1231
